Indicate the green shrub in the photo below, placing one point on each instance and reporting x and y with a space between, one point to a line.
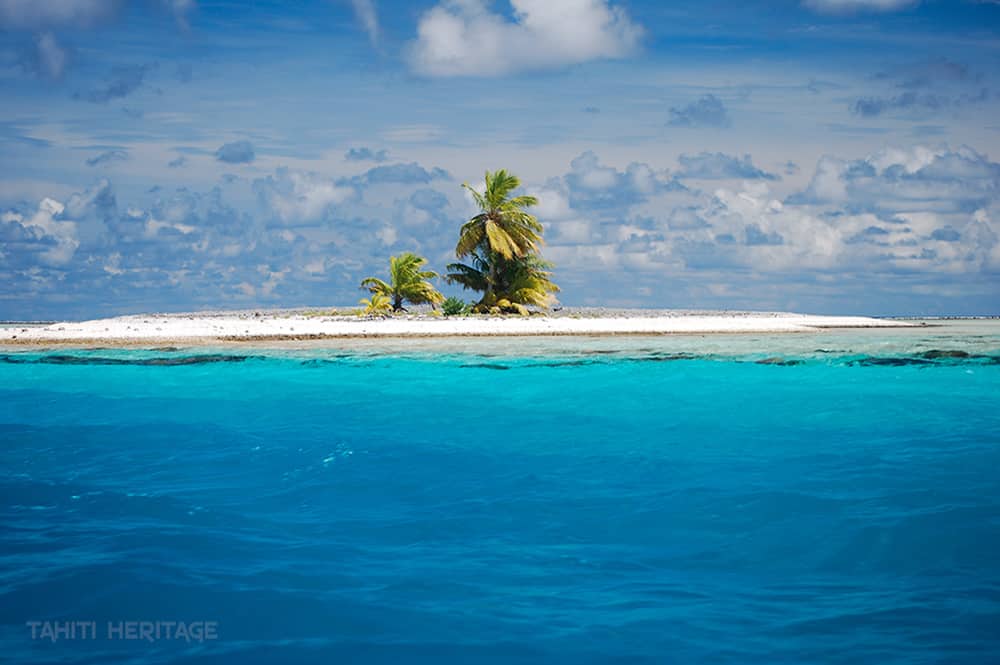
454 307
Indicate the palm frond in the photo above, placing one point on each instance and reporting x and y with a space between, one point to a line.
500 239
479 198
467 276
376 285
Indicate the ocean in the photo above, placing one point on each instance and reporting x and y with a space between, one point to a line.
830 498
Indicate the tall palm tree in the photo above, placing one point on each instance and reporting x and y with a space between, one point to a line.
502 229
407 282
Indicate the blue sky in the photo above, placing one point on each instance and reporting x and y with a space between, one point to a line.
832 156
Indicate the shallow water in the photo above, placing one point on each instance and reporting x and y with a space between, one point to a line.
639 500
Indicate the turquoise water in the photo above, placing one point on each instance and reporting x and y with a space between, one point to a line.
616 501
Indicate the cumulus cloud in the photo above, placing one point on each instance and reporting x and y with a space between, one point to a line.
237 152
298 197
46 233
706 111
593 185
927 213
366 155
755 236
915 179
314 239
720 166
616 232
467 38
420 221
850 6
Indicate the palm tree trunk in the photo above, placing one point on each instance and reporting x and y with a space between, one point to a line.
491 282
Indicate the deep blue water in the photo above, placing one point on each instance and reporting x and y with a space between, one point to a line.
337 508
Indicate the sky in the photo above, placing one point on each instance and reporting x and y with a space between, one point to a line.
825 156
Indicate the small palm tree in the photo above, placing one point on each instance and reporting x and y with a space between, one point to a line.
378 305
502 229
408 282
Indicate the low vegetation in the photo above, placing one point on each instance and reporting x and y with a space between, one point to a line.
377 306
453 306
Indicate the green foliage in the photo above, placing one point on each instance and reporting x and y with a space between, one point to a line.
376 306
409 283
454 307
501 247
502 225
523 281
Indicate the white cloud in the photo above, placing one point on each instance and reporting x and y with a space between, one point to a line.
154 226
552 205
848 6
913 179
465 38
368 17
52 57
593 185
297 197
917 211
57 235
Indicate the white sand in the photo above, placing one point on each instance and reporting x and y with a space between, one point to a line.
167 329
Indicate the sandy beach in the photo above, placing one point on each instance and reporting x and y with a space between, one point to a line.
261 326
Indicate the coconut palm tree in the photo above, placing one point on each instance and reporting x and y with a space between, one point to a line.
408 282
502 228
501 247
519 282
